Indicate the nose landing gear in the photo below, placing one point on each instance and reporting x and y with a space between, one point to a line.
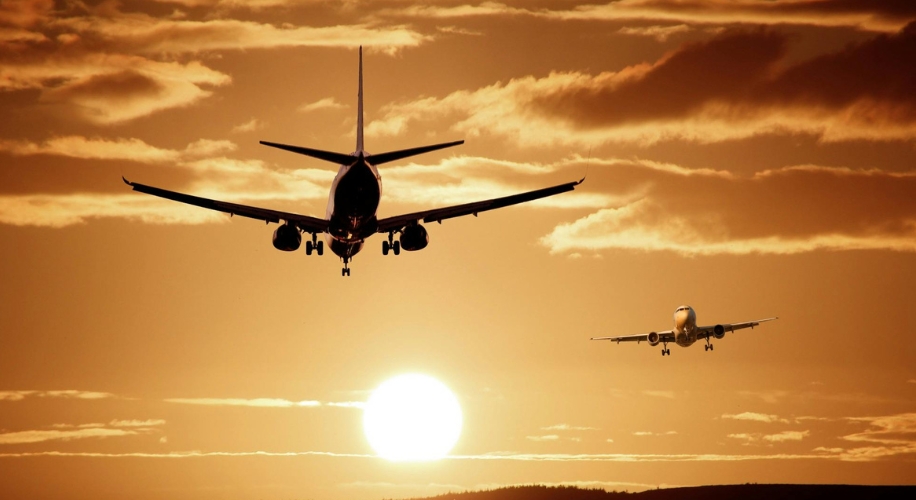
346 268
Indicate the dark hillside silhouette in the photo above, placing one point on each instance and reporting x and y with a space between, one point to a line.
727 492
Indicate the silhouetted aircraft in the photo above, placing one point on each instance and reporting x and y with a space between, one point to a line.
353 201
685 332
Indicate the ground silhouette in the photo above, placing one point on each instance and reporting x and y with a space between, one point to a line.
724 492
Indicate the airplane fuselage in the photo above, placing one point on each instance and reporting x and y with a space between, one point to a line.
685 326
352 206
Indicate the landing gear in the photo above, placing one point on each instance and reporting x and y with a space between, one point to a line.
391 245
346 268
708 345
315 245
665 350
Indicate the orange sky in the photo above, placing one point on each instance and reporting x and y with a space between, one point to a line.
748 158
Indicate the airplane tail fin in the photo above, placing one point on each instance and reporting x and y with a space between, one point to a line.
345 159
359 107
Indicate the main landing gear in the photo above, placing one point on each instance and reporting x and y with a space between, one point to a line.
315 245
665 350
391 245
346 268
708 345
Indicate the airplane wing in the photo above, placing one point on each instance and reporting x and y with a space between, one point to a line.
666 336
439 214
706 331
303 222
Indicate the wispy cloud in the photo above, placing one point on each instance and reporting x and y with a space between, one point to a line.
660 33
107 66
786 436
130 149
780 437
757 417
326 103
567 427
249 126
38 436
548 437
874 16
650 433
264 402
257 402
65 394
736 85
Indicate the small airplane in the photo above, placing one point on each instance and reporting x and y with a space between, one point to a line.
353 202
685 332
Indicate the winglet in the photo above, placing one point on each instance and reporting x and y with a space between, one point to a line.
126 181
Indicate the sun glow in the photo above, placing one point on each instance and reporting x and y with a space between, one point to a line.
412 417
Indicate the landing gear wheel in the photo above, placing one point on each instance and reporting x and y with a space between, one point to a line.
385 248
396 247
705 347
320 248
711 347
308 248
345 271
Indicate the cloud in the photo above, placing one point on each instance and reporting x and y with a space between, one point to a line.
548 437
109 66
757 417
660 33
130 149
650 433
911 381
137 423
567 427
66 394
321 104
772 438
876 15
38 436
733 86
249 126
264 402
257 402
660 394
886 436
783 211
786 436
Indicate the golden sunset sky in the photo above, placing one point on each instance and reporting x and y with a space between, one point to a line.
749 158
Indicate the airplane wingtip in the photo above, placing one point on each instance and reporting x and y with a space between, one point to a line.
126 181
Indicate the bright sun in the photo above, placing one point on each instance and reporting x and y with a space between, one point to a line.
412 417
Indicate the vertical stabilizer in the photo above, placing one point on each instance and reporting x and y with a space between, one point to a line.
359 106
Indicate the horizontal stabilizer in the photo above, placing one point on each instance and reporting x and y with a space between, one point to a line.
404 153
338 158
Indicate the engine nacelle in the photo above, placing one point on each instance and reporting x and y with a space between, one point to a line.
287 238
653 338
718 331
414 238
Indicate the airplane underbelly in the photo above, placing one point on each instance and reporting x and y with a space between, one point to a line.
344 248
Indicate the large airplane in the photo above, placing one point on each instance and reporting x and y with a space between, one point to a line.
353 202
685 332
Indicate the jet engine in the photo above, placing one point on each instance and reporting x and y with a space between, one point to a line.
653 338
287 238
414 238
718 331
